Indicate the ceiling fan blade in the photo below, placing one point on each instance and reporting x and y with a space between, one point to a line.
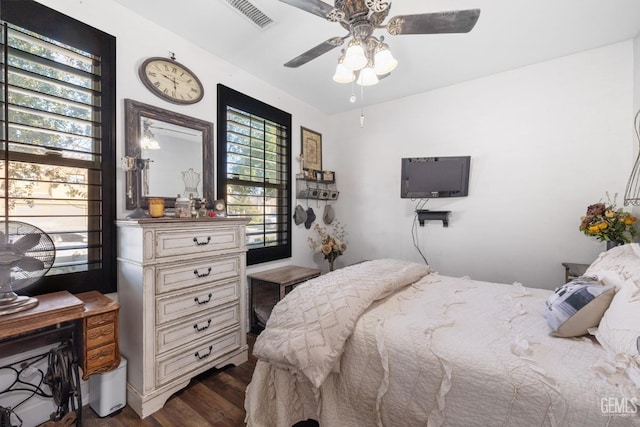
454 21
317 7
30 264
26 242
314 52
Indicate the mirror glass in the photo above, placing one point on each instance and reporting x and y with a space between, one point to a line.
176 152
175 159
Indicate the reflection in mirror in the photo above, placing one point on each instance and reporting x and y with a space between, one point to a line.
177 151
175 159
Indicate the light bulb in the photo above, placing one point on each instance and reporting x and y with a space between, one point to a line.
367 77
355 58
384 61
343 74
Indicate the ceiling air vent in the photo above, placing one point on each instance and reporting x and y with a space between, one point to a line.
251 12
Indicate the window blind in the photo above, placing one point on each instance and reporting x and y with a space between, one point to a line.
52 159
255 177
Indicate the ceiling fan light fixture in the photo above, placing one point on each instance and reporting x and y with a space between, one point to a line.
343 74
355 57
384 60
367 76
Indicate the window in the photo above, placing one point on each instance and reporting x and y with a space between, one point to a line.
254 177
57 158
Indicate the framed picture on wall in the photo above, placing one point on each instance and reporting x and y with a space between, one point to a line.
311 149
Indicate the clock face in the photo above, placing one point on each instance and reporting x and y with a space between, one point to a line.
219 205
171 81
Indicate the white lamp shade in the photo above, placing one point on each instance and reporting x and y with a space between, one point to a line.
343 74
354 58
385 62
367 77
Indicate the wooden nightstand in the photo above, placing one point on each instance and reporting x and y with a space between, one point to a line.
573 270
268 287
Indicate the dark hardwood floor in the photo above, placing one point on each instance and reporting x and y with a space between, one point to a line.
214 398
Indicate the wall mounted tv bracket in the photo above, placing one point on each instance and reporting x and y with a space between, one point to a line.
427 215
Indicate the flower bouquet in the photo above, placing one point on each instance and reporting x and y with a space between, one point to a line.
606 223
329 243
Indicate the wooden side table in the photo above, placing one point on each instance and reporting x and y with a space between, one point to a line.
92 320
268 287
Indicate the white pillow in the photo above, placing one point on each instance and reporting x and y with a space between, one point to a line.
619 328
577 306
614 266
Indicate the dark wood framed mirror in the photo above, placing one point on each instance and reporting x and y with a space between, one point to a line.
177 151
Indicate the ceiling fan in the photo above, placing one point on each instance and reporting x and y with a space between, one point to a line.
367 57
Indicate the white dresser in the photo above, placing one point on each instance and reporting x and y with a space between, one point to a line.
181 289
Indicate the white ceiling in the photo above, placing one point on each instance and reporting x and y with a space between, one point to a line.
509 34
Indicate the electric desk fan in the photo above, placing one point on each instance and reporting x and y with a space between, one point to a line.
26 254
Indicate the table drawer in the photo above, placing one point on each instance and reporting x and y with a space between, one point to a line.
185 275
101 319
204 298
197 240
100 356
101 335
200 327
180 364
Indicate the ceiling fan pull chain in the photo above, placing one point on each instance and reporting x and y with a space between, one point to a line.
361 106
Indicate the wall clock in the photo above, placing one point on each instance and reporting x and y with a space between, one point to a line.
171 81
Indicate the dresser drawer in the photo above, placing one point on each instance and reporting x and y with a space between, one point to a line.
101 335
186 275
104 355
180 364
197 240
204 298
200 327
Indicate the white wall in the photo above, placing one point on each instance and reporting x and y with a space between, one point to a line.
546 140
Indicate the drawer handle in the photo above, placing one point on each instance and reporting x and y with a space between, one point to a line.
200 329
197 299
199 243
104 352
204 356
201 275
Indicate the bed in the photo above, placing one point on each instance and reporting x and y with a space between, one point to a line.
392 343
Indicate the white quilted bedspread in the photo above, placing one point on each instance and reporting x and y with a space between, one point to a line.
307 330
445 351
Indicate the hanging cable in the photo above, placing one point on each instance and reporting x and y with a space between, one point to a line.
414 229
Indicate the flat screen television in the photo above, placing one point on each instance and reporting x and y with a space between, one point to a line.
430 177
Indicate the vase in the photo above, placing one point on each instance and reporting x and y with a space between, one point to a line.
331 261
614 243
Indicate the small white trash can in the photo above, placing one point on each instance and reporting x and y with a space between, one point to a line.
108 391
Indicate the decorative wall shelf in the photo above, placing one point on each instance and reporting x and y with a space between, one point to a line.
316 189
427 215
